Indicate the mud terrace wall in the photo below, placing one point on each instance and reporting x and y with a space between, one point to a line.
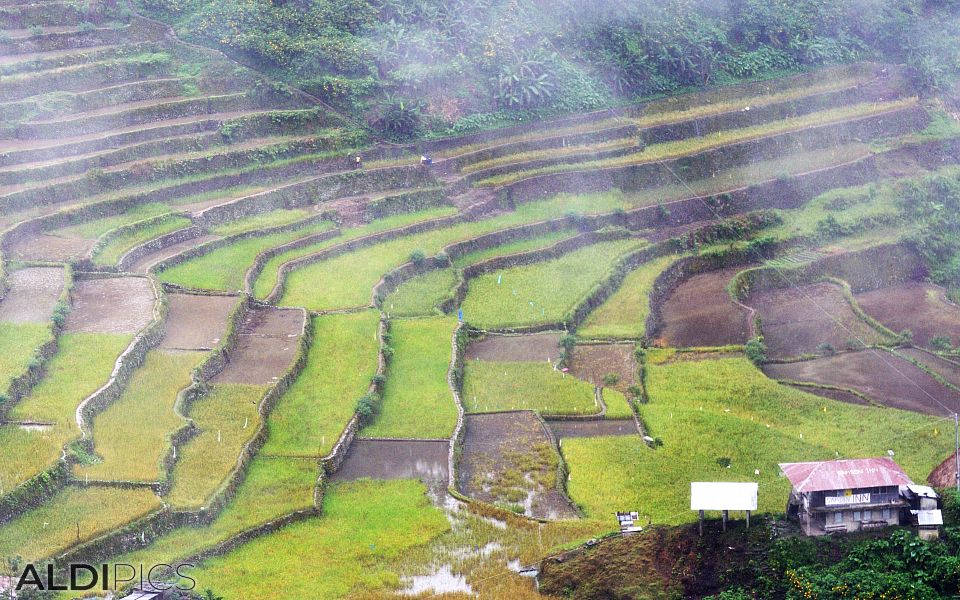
159 243
261 260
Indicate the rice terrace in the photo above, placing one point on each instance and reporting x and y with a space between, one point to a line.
320 299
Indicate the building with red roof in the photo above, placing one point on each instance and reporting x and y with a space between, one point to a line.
846 495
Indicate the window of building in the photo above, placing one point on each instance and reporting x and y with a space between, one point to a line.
838 516
856 515
886 514
868 515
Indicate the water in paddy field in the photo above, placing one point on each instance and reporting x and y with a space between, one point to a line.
397 459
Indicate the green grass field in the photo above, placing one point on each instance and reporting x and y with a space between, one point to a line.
227 417
52 527
617 405
347 280
272 488
713 409
261 221
624 314
311 415
521 245
96 228
492 386
342 550
224 268
111 252
130 435
420 295
417 403
268 277
544 292
83 363
18 345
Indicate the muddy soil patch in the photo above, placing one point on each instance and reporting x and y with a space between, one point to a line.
196 322
592 362
425 460
699 312
143 265
33 293
920 307
838 395
879 375
535 347
945 475
111 305
266 347
579 429
509 460
52 248
800 320
948 369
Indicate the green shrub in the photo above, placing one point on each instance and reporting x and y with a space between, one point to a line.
826 349
611 379
367 407
942 343
756 351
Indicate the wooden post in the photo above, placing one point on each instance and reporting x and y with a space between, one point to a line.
748 519
726 515
701 523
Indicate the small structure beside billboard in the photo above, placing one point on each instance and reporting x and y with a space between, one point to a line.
723 496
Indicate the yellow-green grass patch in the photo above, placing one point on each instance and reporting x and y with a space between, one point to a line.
617 405
712 410
227 417
544 292
273 487
52 527
224 268
111 252
417 401
273 218
268 277
96 228
420 295
675 149
365 524
131 434
19 343
624 314
311 415
491 386
521 245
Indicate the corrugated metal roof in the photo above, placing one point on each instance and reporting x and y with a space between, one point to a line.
844 474
924 491
723 495
928 517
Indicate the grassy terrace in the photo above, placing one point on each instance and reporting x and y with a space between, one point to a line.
52 527
82 364
224 268
227 417
18 344
543 292
733 411
311 415
490 386
624 314
119 245
341 556
272 488
420 295
268 277
617 405
93 229
522 245
131 434
675 149
417 403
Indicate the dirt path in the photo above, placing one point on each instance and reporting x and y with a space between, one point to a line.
922 308
592 362
879 375
799 320
536 347
33 293
425 460
111 305
508 459
700 313
266 348
196 322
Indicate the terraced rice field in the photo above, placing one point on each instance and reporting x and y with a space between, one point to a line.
226 426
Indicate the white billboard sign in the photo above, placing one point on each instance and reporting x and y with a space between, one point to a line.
723 495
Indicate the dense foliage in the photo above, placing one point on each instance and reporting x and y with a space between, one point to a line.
412 67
